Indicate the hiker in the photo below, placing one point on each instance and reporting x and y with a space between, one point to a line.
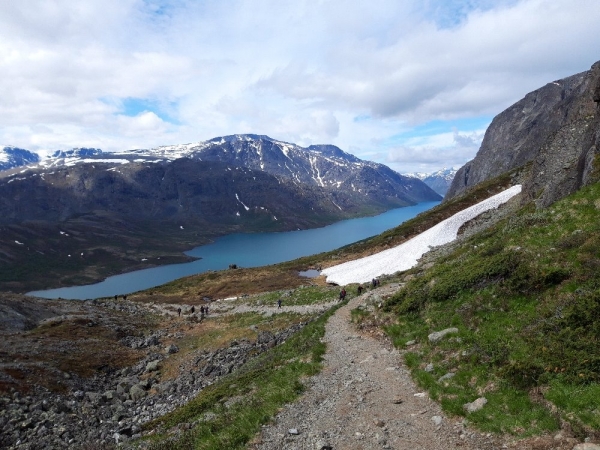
202 310
116 297
206 310
193 310
342 294
179 312
279 304
359 289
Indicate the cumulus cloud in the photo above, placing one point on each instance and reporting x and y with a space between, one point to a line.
300 71
424 155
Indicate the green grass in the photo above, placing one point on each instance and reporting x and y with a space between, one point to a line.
525 296
303 295
229 413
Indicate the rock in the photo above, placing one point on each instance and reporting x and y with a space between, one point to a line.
475 405
137 392
265 337
409 343
429 367
293 431
171 349
587 446
437 420
94 397
438 335
448 376
152 366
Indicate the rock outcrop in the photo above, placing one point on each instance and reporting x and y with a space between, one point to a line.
552 131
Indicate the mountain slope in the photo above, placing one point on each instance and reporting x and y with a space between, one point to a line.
439 181
11 157
141 208
555 129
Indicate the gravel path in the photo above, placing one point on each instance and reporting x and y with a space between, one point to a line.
365 399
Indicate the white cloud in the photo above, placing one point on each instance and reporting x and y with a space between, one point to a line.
301 71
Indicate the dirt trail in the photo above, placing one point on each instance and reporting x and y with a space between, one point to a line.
365 399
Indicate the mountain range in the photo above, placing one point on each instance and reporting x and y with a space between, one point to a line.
439 180
122 207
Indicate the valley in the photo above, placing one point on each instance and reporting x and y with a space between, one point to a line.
489 341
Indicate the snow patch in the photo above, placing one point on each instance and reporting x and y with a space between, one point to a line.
406 255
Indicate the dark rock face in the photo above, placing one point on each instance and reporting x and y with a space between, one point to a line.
555 128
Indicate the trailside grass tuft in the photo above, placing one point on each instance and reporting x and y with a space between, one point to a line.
525 298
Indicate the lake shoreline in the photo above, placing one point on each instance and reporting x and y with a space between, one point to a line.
246 250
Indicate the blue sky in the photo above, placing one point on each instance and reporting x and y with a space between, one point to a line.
409 83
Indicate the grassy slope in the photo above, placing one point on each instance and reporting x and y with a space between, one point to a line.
525 297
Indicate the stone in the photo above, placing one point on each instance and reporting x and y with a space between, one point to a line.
587 446
293 431
172 349
448 376
475 405
437 420
152 366
429 367
137 392
438 335
411 342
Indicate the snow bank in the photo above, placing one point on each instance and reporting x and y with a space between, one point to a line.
406 255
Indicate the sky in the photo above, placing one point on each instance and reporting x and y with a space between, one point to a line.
412 84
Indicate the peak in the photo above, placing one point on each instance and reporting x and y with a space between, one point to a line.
77 151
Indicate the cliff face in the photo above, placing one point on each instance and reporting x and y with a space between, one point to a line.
555 129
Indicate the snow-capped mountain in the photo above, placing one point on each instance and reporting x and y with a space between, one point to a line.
439 181
324 166
172 198
15 157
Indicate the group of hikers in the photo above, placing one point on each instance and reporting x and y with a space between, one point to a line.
359 290
203 311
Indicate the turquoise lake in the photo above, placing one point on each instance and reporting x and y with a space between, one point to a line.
245 250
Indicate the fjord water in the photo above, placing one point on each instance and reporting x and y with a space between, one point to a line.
245 250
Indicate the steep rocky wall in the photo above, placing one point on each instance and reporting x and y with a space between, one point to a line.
555 128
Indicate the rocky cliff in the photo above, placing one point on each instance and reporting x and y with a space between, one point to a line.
552 133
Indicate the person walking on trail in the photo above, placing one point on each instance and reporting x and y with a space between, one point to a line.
279 304
342 294
193 310
179 312
359 289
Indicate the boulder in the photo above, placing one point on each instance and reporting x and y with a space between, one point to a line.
438 335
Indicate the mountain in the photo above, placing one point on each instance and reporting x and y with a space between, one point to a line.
552 134
11 157
115 209
439 181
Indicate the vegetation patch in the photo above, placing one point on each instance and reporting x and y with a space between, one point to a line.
525 298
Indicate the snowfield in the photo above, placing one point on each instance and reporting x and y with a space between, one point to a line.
406 255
